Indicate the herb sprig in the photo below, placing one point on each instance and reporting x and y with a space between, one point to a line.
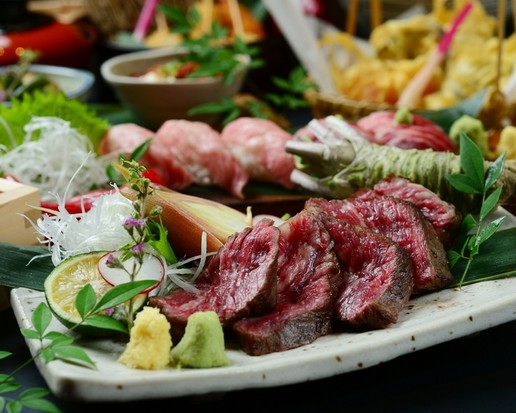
477 182
146 233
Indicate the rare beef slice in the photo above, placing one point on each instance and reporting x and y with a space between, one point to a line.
308 280
239 280
405 224
443 216
377 273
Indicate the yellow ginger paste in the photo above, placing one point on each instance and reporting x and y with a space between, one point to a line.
150 342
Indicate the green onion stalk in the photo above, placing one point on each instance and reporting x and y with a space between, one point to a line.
334 160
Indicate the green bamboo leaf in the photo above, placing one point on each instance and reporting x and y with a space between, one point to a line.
472 161
74 354
105 322
121 293
490 203
494 171
41 318
85 300
2 404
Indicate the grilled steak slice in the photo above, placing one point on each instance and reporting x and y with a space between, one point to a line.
377 273
444 216
308 278
405 224
239 280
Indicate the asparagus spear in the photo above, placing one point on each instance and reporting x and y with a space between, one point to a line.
335 160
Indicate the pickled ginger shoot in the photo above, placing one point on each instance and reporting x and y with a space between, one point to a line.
202 345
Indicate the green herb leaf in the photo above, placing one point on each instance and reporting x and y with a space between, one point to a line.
472 162
465 183
42 405
85 300
494 171
41 318
121 293
490 203
105 322
4 354
73 354
34 393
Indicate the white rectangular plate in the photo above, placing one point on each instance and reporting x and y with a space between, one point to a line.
428 320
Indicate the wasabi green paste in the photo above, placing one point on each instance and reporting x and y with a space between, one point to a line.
202 345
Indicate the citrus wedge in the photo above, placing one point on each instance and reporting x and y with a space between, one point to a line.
66 280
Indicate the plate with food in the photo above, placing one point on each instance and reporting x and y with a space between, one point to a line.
428 320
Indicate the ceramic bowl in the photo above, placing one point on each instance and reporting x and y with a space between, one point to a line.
74 83
153 102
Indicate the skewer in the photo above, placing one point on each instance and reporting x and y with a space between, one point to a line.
236 19
351 22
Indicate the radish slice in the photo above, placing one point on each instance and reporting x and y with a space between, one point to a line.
152 268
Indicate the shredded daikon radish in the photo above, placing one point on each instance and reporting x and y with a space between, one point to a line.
50 155
183 276
99 229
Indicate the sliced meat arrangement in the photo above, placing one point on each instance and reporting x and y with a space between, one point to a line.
351 264
259 145
199 146
308 278
378 275
444 216
238 281
405 132
405 224
125 138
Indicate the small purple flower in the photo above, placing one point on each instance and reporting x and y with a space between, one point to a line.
137 249
113 262
135 223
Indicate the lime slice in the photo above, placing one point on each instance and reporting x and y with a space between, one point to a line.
66 280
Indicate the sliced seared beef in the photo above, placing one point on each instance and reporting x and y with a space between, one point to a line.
444 216
308 279
377 273
405 224
240 280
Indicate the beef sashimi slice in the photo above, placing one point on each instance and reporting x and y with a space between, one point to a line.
259 146
444 216
124 138
208 158
405 224
239 280
377 274
308 280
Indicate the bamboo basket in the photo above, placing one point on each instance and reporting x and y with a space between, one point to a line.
325 104
113 16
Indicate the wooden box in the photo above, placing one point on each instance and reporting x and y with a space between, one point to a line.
17 206
17 202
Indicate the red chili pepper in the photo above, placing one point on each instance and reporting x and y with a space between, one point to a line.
76 204
154 176
185 69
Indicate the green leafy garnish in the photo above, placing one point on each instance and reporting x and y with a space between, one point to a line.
474 180
49 103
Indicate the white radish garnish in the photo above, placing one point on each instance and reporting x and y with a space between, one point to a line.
152 268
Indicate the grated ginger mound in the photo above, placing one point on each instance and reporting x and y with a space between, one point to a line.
150 342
